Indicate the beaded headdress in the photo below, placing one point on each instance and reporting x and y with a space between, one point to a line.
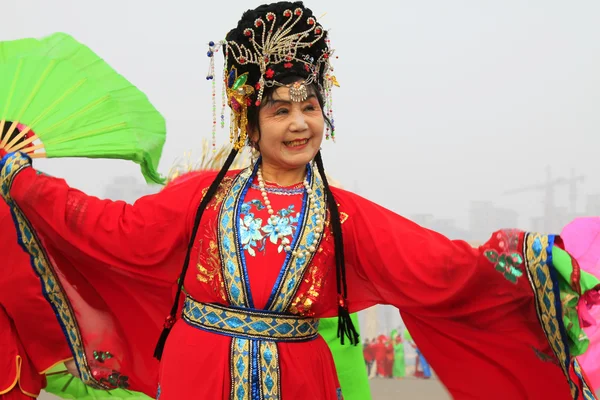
271 43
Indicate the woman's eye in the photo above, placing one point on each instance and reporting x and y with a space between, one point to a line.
310 108
281 111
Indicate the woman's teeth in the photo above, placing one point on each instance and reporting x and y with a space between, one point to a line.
295 143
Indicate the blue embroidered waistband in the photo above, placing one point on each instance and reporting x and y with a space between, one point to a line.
249 324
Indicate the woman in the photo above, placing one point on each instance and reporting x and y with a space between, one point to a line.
381 356
268 249
399 370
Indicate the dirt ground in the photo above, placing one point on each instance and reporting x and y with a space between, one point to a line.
383 389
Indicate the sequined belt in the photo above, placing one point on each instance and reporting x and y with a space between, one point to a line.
249 324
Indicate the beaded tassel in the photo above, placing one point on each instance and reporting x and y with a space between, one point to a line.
224 89
211 77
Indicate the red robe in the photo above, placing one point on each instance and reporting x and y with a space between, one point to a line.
368 352
31 340
470 314
380 356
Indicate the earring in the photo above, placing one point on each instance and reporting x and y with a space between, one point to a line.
255 154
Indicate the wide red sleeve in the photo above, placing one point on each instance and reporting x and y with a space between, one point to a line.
107 268
503 314
148 237
391 260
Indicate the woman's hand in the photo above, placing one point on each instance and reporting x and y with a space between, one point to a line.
72 368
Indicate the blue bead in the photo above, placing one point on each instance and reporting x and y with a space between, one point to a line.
208 78
211 43
209 53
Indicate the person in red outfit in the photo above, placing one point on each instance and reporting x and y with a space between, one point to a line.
389 358
380 356
368 355
31 339
268 250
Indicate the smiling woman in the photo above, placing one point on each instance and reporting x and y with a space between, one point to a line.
265 252
287 134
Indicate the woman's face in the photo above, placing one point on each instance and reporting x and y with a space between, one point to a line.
290 132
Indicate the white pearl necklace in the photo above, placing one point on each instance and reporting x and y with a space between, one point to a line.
272 219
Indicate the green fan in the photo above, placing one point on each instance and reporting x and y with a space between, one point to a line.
64 385
59 99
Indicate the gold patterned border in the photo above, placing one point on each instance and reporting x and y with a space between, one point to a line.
241 371
39 260
231 262
269 375
588 394
249 324
536 248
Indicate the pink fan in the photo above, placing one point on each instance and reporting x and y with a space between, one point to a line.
582 241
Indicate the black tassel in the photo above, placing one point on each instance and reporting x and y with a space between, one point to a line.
346 327
160 345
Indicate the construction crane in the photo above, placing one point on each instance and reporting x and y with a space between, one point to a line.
549 187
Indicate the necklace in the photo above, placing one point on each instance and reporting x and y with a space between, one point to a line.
273 218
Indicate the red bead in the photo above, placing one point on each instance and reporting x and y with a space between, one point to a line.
257 103
270 16
247 32
311 21
169 322
298 12
287 13
288 65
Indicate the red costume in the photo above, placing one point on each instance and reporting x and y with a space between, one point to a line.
483 306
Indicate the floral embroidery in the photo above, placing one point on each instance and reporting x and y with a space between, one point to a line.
314 278
116 380
508 259
545 357
302 304
209 264
279 230
102 356
217 199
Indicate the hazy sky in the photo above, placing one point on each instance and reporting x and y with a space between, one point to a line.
442 102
